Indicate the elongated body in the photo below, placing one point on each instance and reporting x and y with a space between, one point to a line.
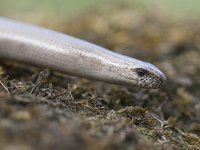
47 48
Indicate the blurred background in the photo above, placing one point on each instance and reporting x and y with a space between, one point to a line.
164 32
53 11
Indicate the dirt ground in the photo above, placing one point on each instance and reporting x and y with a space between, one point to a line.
44 109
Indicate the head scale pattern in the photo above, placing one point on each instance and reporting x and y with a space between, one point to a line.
147 79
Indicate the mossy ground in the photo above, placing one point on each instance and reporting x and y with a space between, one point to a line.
43 109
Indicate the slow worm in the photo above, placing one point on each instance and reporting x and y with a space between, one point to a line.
43 47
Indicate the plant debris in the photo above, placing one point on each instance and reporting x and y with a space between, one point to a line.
40 109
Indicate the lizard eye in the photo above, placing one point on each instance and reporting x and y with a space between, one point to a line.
141 72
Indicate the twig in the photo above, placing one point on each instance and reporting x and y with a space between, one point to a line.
4 87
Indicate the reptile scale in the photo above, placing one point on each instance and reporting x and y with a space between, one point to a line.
43 47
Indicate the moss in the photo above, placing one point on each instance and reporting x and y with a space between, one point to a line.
49 110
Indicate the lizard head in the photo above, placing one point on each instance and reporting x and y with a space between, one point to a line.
149 76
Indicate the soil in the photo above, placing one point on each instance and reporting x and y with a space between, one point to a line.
43 109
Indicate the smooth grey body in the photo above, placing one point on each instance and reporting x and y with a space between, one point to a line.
47 48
